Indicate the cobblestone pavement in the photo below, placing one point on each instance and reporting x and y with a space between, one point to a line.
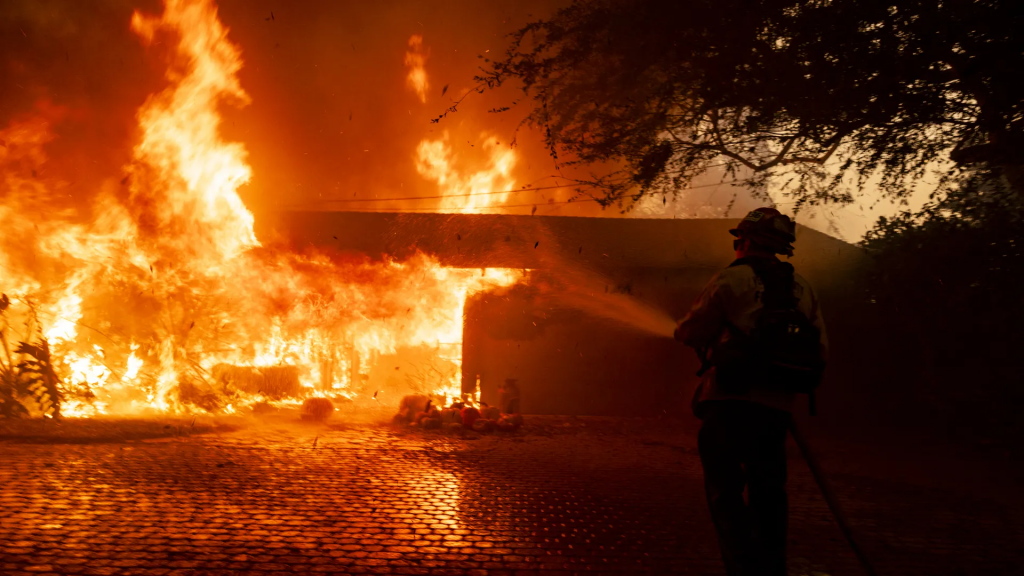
370 500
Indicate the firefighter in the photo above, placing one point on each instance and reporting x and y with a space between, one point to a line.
744 400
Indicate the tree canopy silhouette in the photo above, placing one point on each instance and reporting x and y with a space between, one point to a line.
823 99
818 95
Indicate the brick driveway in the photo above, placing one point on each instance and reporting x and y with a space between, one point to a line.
370 500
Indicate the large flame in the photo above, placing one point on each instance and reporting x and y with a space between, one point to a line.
166 301
464 190
196 174
416 60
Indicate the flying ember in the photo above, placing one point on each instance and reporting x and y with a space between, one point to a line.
165 301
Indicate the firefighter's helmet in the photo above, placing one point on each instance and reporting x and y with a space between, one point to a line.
769 228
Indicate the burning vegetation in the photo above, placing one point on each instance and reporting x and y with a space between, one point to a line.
163 300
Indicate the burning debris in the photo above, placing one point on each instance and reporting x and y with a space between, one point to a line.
317 409
419 411
410 407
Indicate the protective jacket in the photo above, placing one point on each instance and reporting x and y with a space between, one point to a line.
733 296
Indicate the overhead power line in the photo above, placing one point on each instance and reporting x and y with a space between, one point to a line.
357 200
443 196
476 208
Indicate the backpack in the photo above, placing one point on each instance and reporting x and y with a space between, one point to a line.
783 350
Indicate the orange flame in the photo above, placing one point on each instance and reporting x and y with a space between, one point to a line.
473 191
415 60
166 301
198 172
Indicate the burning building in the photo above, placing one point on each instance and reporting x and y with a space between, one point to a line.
153 294
158 297
587 329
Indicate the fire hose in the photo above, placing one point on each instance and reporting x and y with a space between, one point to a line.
830 497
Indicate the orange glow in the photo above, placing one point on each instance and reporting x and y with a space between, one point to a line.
467 192
415 60
198 173
165 301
